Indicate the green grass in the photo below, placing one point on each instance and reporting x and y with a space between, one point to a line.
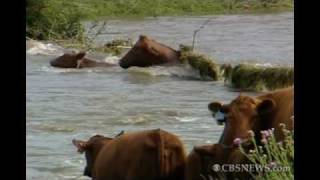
207 68
251 77
60 19
142 8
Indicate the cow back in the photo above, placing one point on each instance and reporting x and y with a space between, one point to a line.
153 154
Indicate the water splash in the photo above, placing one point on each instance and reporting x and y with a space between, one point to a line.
111 59
67 70
186 119
40 48
176 71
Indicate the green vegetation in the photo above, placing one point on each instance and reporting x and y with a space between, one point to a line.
60 19
204 65
243 76
252 77
275 157
50 19
142 8
115 47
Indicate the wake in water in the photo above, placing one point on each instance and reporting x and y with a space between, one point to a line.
180 71
174 71
156 71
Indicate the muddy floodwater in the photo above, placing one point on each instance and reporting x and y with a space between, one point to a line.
63 104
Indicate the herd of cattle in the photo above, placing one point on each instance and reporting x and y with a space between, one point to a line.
160 155
157 154
146 52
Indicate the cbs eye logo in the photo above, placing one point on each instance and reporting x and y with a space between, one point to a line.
216 167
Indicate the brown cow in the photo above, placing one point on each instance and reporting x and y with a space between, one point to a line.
202 159
147 52
148 155
255 113
77 60
243 114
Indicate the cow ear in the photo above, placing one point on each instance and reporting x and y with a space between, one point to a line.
215 106
266 106
80 55
142 37
81 146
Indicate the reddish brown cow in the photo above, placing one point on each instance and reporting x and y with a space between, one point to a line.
148 155
202 159
76 60
147 52
243 114
255 113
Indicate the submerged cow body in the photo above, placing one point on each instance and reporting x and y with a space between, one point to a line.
147 52
243 114
149 155
77 60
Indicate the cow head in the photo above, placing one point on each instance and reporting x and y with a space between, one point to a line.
91 148
68 60
143 54
203 159
243 114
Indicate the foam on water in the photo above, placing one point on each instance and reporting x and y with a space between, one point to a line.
178 71
186 119
168 71
40 48
111 59
51 69
136 120
68 70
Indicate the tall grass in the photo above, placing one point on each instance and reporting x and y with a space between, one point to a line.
206 67
128 8
60 19
252 77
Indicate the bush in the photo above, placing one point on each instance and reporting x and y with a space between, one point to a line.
50 19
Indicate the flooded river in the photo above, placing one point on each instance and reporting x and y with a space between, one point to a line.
65 104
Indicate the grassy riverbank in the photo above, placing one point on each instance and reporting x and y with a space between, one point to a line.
60 19
142 8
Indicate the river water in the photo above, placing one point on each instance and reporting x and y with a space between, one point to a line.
65 104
